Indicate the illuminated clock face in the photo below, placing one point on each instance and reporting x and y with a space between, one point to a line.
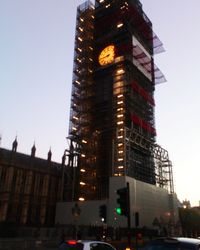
107 55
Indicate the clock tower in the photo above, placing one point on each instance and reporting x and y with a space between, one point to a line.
112 122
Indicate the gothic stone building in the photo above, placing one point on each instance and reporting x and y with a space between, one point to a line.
29 188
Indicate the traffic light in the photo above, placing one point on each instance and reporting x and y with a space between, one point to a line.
123 201
103 212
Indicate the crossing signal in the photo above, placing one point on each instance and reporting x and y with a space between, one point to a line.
123 201
103 212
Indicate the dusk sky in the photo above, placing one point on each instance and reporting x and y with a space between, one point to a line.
36 59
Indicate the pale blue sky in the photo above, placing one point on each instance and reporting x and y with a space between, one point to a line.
36 58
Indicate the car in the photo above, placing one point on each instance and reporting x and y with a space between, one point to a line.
174 243
85 245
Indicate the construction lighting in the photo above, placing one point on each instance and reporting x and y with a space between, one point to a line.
74 117
81 29
121 152
120 159
75 129
120 102
118 116
82 183
81 199
121 122
120 71
78 82
83 141
79 49
120 144
82 155
80 39
120 167
82 170
81 19
119 96
120 109
101 1
119 25
120 137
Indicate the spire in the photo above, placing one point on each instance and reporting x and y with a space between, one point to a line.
63 158
33 149
14 145
49 155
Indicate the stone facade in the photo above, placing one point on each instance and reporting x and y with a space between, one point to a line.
29 188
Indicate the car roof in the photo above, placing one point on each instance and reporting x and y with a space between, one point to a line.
180 239
189 240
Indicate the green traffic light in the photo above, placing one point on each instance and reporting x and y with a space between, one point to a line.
118 210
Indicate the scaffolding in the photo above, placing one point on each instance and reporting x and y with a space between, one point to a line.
112 106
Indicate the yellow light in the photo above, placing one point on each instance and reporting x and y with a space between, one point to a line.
120 71
81 199
107 55
107 5
120 167
82 170
120 102
81 19
119 25
79 49
120 136
75 129
121 152
82 183
80 39
101 1
83 141
78 82
118 116
120 159
121 122
80 29
74 117
82 155
120 144
119 96
120 109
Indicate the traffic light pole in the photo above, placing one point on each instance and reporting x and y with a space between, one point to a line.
128 216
